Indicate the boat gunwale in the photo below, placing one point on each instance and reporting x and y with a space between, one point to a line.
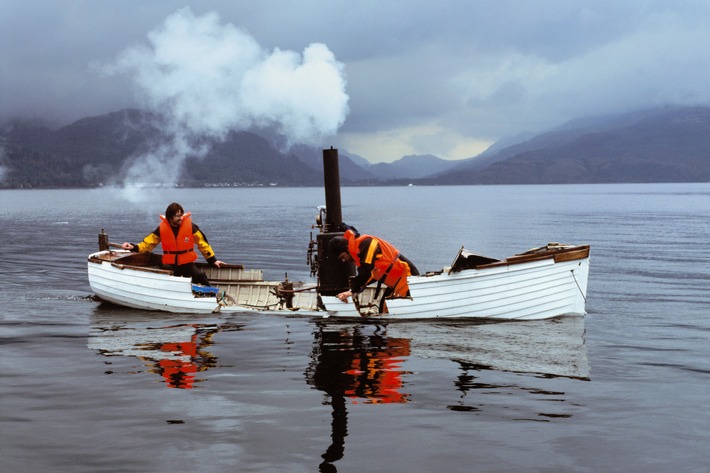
572 253
148 266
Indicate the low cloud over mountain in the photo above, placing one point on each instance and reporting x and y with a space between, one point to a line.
659 145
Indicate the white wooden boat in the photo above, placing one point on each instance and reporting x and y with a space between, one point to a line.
137 280
541 283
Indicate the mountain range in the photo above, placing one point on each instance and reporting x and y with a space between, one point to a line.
669 144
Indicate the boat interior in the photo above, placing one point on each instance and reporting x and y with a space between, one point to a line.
560 252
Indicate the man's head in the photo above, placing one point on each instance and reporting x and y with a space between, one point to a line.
174 214
338 247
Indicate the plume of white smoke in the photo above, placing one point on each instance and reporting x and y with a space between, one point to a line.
207 79
3 169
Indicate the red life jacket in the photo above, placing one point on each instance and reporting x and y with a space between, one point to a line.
389 269
181 249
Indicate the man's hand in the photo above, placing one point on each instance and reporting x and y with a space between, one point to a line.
343 296
127 246
219 263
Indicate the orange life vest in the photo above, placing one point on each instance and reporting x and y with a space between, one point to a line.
181 249
389 269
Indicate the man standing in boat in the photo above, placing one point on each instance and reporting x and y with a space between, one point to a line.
376 260
178 237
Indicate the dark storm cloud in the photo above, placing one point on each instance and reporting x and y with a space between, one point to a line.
445 78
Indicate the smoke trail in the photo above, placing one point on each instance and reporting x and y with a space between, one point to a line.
3 169
207 79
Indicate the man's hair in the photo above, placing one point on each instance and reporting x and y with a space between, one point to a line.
173 209
338 245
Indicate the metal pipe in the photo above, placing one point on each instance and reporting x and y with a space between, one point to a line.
333 275
331 178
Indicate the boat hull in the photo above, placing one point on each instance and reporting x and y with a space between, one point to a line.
123 278
532 286
146 290
530 291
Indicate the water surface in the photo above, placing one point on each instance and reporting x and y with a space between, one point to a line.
90 387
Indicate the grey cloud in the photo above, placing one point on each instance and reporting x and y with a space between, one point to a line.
485 69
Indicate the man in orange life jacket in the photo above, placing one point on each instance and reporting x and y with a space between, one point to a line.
376 260
178 237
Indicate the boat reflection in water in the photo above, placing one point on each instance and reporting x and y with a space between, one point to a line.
173 348
361 363
355 364
547 348
359 366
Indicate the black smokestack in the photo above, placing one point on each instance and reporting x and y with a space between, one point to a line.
333 275
331 179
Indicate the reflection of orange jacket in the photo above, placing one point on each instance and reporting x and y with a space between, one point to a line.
377 375
178 373
387 266
180 249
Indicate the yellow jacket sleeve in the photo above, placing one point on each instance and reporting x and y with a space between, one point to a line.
204 246
148 243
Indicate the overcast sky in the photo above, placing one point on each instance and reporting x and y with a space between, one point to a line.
381 79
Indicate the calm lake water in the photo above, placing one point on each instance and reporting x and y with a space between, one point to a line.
90 387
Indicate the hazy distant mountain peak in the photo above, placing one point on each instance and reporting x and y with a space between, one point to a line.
657 145
665 144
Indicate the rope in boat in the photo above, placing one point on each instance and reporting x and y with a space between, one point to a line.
303 289
262 307
578 286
